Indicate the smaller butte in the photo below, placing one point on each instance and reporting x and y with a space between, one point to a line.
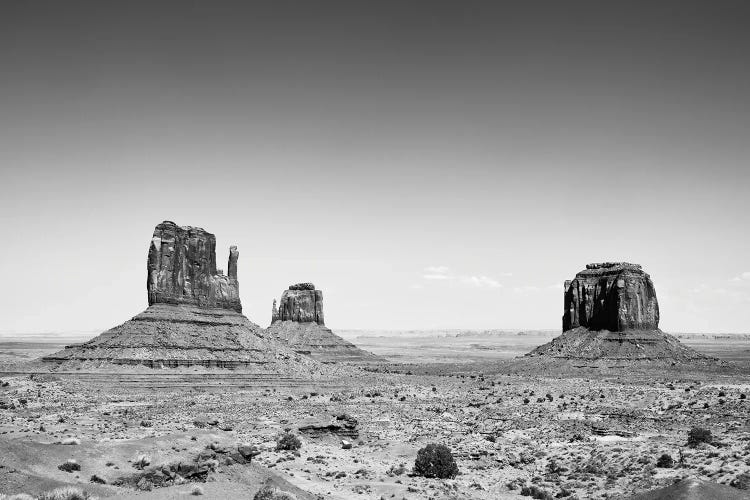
298 322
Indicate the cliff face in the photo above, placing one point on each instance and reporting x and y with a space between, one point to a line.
298 323
193 319
301 303
611 296
611 314
182 269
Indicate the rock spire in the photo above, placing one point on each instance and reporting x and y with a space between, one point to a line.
193 319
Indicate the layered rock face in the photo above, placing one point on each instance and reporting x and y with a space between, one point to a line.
193 319
614 296
182 269
173 336
298 322
611 313
301 303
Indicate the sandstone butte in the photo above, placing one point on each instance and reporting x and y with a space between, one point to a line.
194 317
299 323
611 312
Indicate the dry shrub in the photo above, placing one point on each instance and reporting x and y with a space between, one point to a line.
286 441
69 465
698 435
66 493
269 492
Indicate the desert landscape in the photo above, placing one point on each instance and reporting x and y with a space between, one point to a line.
191 398
586 436
380 250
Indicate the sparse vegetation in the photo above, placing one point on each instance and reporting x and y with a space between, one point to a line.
19 496
196 491
141 462
534 491
397 470
435 461
742 482
69 465
698 435
665 461
271 493
66 493
286 441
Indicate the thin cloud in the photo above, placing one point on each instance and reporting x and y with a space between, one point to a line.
437 269
443 273
481 281
437 277
742 277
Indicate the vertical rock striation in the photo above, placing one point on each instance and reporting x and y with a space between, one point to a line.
611 296
301 303
182 269
298 322
611 314
193 319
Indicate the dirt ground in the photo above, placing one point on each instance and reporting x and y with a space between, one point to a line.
583 436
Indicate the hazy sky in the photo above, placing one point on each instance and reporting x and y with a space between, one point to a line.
426 164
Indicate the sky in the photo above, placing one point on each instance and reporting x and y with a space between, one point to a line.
426 164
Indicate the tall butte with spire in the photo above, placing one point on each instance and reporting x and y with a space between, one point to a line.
611 313
194 316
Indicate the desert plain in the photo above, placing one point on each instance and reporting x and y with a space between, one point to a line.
581 432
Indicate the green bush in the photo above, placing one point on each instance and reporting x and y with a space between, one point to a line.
435 460
699 435
287 441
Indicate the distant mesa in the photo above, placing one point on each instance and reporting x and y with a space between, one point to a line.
298 322
193 319
611 312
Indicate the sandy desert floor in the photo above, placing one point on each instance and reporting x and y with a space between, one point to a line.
574 436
